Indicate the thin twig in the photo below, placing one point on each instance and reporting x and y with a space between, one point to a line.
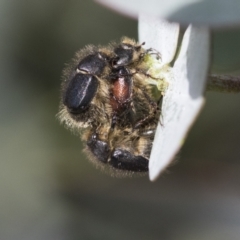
223 83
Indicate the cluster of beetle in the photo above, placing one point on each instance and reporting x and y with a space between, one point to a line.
105 94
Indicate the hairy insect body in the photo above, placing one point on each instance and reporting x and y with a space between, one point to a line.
122 149
85 90
121 96
106 93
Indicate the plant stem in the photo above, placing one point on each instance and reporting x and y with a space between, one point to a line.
223 83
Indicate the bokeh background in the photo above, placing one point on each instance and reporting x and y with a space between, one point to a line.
49 190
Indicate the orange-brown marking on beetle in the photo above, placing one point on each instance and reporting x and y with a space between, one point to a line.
121 93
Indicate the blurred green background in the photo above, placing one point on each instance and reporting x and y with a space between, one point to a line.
49 190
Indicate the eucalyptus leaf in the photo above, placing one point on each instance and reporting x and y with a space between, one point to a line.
213 13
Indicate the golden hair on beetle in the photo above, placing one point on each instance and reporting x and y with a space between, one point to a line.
106 98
